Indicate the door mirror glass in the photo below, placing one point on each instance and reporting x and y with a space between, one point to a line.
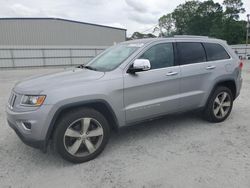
140 65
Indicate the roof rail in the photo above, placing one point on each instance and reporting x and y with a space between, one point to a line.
189 36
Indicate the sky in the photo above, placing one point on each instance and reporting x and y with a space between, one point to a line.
133 15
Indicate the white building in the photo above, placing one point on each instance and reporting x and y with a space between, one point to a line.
53 41
242 50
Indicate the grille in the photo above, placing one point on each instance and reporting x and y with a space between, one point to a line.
12 100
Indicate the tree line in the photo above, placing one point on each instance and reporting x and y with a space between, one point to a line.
205 18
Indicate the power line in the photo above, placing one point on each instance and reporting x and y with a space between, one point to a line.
149 29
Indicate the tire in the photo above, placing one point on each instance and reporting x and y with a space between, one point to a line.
212 111
82 128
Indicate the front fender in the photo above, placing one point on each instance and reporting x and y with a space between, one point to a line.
59 108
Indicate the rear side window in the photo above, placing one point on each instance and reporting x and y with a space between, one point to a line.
190 52
215 52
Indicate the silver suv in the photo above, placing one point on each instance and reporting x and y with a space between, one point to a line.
128 83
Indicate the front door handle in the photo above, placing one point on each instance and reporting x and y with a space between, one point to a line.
171 73
210 67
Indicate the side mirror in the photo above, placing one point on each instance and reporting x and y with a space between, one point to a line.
140 65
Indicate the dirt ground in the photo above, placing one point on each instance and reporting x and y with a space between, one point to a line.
176 151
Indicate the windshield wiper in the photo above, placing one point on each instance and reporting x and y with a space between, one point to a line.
86 67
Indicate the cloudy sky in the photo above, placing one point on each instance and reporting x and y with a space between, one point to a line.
134 15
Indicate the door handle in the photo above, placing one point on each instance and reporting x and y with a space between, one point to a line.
171 73
210 67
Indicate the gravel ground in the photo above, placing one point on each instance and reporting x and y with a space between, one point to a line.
176 151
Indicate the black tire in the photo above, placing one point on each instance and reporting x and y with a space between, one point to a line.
209 111
66 121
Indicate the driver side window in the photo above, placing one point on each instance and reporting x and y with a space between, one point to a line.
160 55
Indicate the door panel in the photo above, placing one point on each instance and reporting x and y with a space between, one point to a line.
197 74
151 93
194 84
154 92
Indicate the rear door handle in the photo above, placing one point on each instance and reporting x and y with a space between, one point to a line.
210 67
171 73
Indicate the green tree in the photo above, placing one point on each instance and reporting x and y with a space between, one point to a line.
165 25
234 32
183 15
233 8
204 18
207 18
207 15
138 35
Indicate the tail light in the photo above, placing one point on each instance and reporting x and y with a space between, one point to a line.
241 65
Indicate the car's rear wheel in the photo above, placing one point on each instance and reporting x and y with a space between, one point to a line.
219 105
81 135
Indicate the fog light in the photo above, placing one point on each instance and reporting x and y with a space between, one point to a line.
27 125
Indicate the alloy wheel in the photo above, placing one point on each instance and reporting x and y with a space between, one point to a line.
83 137
222 105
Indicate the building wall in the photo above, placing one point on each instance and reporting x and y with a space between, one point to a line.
242 50
47 56
57 32
48 42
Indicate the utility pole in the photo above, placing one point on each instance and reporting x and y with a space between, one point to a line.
247 35
161 34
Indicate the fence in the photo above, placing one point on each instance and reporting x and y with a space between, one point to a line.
68 56
38 57
242 51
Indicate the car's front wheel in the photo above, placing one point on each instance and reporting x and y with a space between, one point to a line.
81 135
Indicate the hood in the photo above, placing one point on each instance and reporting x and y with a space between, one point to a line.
38 84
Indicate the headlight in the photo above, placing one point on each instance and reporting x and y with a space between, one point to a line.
32 100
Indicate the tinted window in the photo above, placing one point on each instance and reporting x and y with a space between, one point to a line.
215 52
190 52
160 55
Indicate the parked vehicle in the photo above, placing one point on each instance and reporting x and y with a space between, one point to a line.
128 83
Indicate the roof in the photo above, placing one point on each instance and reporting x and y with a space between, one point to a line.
61 19
179 37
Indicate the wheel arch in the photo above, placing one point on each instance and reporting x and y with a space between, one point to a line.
229 83
100 105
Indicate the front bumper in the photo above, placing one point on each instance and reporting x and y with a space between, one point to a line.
39 144
39 121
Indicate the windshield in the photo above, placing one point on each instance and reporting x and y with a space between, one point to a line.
112 57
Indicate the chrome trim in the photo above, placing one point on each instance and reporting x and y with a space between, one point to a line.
12 100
